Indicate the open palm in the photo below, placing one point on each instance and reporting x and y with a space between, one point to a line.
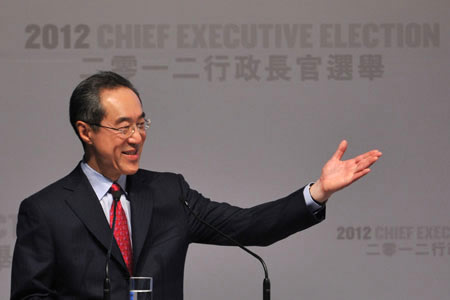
337 173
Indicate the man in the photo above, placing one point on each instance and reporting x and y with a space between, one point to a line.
63 231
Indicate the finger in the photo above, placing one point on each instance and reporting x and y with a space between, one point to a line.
360 174
372 153
340 150
365 163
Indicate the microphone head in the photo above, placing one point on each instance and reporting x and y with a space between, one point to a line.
116 195
185 203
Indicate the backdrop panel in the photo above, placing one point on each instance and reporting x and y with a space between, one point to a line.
248 99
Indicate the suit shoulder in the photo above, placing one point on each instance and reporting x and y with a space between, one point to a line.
58 187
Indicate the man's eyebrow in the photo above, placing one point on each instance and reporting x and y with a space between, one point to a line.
128 119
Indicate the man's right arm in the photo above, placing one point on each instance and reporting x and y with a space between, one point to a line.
32 267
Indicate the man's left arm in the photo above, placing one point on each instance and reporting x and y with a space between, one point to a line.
269 222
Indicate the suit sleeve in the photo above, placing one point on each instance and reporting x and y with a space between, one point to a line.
32 267
260 225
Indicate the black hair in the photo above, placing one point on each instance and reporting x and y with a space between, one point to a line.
85 102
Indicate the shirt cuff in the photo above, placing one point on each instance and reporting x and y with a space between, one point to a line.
311 205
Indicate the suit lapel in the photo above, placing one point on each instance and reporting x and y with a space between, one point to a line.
140 196
86 206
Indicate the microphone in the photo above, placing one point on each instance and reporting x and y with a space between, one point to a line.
116 193
266 281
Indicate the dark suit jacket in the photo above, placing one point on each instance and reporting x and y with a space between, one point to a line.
63 235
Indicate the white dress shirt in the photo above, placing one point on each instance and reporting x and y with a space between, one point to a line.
101 186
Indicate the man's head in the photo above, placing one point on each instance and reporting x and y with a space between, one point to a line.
106 114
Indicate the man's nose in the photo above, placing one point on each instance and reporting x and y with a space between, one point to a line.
136 135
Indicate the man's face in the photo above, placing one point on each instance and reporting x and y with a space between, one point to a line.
110 153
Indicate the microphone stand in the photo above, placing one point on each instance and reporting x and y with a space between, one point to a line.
266 281
107 282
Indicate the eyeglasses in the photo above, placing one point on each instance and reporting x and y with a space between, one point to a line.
127 131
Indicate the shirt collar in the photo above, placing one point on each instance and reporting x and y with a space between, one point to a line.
100 183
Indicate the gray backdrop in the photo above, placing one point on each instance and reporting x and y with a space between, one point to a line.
248 99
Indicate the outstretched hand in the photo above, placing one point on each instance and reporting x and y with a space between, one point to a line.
337 173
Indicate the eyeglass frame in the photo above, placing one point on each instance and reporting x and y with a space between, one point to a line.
128 133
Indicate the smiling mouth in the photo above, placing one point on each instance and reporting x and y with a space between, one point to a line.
130 152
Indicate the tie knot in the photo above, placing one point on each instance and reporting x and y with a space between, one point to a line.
114 188
116 191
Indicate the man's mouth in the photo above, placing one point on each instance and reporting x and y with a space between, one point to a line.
130 152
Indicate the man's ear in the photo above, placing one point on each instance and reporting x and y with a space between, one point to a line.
84 131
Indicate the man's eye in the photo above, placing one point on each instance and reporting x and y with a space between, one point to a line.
124 128
140 125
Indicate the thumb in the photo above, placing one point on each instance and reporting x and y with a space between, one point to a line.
340 150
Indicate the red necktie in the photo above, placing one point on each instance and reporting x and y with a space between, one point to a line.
121 233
